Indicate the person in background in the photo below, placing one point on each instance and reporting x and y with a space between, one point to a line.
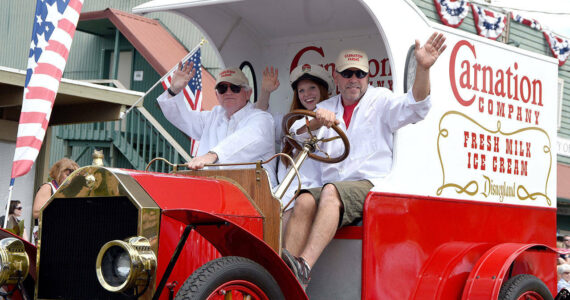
311 84
564 274
58 173
15 224
564 256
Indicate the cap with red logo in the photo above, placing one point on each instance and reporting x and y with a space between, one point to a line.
312 72
233 76
352 58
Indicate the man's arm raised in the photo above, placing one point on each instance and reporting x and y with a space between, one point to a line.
181 76
426 56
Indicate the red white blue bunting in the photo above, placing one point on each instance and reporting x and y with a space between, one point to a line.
532 23
451 12
489 24
559 46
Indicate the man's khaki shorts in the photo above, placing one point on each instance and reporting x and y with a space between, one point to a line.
352 195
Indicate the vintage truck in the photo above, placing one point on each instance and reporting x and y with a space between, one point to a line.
467 212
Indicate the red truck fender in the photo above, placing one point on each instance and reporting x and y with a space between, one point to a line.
449 265
230 239
503 261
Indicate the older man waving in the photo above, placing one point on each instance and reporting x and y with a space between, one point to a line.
231 132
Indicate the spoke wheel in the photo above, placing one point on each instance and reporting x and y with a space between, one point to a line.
230 277
530 295
238 290
524 287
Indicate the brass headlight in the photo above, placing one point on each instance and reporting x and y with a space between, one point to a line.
122 265
14 261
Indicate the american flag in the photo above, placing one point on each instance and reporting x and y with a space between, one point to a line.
52 34
192 92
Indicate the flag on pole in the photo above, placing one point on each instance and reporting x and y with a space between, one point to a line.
52 34
192 92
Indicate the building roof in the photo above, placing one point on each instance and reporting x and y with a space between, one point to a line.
76 102
162 50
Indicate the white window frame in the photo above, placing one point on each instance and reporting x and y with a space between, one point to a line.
560 99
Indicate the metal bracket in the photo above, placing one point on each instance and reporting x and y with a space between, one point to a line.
258 171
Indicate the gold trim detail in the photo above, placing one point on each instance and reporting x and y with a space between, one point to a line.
522 192
93 181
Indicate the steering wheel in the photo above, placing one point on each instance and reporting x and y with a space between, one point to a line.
291 117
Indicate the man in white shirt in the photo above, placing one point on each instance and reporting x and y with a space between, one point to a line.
369 116
231 132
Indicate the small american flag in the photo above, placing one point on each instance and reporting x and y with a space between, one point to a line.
192 92
54 27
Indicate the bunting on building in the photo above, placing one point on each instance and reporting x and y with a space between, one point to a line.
559 46
490 24
532 23
451 13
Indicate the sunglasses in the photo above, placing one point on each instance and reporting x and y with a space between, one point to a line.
223 88
348 74
19 207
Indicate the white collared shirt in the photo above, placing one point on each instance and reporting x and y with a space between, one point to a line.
376 117
247 136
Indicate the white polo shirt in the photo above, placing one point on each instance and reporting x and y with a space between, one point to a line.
247 136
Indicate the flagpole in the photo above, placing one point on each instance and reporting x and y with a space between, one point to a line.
202 42
7 210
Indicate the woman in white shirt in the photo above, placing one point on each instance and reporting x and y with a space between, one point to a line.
311 84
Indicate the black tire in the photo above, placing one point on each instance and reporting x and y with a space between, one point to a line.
216 273
520 284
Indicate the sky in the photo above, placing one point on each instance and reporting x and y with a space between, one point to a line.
555 16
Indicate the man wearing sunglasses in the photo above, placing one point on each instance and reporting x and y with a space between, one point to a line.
232 132
369 116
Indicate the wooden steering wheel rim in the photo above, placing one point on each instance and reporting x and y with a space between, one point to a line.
296 145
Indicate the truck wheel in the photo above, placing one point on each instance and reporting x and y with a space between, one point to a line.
524 287
231 275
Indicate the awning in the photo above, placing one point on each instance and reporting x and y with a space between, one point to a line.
562 184
152 41
76 102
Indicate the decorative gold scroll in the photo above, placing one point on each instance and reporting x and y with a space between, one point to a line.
522 192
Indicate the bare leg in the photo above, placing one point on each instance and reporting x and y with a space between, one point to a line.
284 219
299 223
325 224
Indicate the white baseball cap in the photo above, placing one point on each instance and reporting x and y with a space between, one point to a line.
232 75
352 58
312 72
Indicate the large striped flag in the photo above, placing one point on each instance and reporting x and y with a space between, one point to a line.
54 27
192 92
